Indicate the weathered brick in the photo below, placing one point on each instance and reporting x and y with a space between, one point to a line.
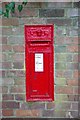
60 4
72 12
8 81
60 49
63 90
48 113
60 113
7 112
16 31
72 82
32 21
4 89
63 105
59 73
61 97
19 40
32 106
75 114
60 66
18 57
6 65
75 106
72 48
70 40
0 114
20 97
4 40
73 97
76 90
69 57
18 48
34 113
18 65
4 57
10 105
71 66
10 21
76 4
7 97
50 105
17 89
68 74
33 4
59 22
7 31
60 81
60 57
26 12
10 73
6 48
76 74
19 81
51 12
75 57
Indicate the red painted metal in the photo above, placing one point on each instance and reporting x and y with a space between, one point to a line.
39 60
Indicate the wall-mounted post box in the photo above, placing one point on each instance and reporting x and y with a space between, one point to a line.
39 59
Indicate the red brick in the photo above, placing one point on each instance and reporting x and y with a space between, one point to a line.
63 105
48 113
63 90
76 90
4 40
33 21
7 112
33 106
78 57
73 97
3 73
9 104
8 81
19 81
10 22
31 113
18 48
20 73
59 73
6 48
17 89
27 12
0 104
20 97
50 105
4 57
7 97
75 106
4 89
72 66
75 58
18 65
72 82
6 65
72 48
70 40
18 57
7 31
0 114
75 74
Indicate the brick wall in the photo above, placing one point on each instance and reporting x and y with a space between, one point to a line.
64 16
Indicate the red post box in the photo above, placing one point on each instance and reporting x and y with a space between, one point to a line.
39 62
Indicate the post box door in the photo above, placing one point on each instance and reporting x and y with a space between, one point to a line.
39 71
